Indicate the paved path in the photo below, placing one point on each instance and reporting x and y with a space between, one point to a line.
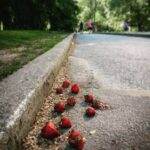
115 69
135 34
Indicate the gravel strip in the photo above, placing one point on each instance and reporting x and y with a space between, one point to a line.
34 141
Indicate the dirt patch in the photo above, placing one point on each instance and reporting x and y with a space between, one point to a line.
20 49
5 51
8 57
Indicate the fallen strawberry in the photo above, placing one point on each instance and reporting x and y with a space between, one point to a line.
65 122
59 90
90 112
50 131
100 105
66 84
75 89
104 106
71 101
75 139
59 107
96 104
89 98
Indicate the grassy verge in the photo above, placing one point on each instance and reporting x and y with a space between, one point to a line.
25 46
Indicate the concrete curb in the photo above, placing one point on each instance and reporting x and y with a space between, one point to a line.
22 94
135 34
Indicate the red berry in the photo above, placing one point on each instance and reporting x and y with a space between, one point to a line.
59 90
96 104
76 139
50 131
65 122
100 105
75 88
71 101
90 112
89 98
66 84
59 107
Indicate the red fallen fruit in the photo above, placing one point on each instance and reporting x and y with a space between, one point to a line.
59 107
59 90
89 98
96 104
75 139
75 88
104 106
50 131
107 106
71 101
65 122
66 84
100 105
90 112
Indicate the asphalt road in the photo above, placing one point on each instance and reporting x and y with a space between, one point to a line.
115 69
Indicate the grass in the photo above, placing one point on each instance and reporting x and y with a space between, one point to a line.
27 45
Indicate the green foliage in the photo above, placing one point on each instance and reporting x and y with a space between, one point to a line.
115 12
35 14
64 16
136 12
12 39
9 69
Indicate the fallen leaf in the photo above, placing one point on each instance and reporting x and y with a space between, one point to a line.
92 132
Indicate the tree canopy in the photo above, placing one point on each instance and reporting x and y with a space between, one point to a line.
114 12
36 14
64 14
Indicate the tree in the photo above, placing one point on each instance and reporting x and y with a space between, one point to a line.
115 12
34 14
5 12
64 15
135 11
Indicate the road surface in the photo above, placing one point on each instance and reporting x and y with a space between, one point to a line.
115 69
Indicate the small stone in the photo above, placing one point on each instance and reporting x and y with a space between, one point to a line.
92 132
